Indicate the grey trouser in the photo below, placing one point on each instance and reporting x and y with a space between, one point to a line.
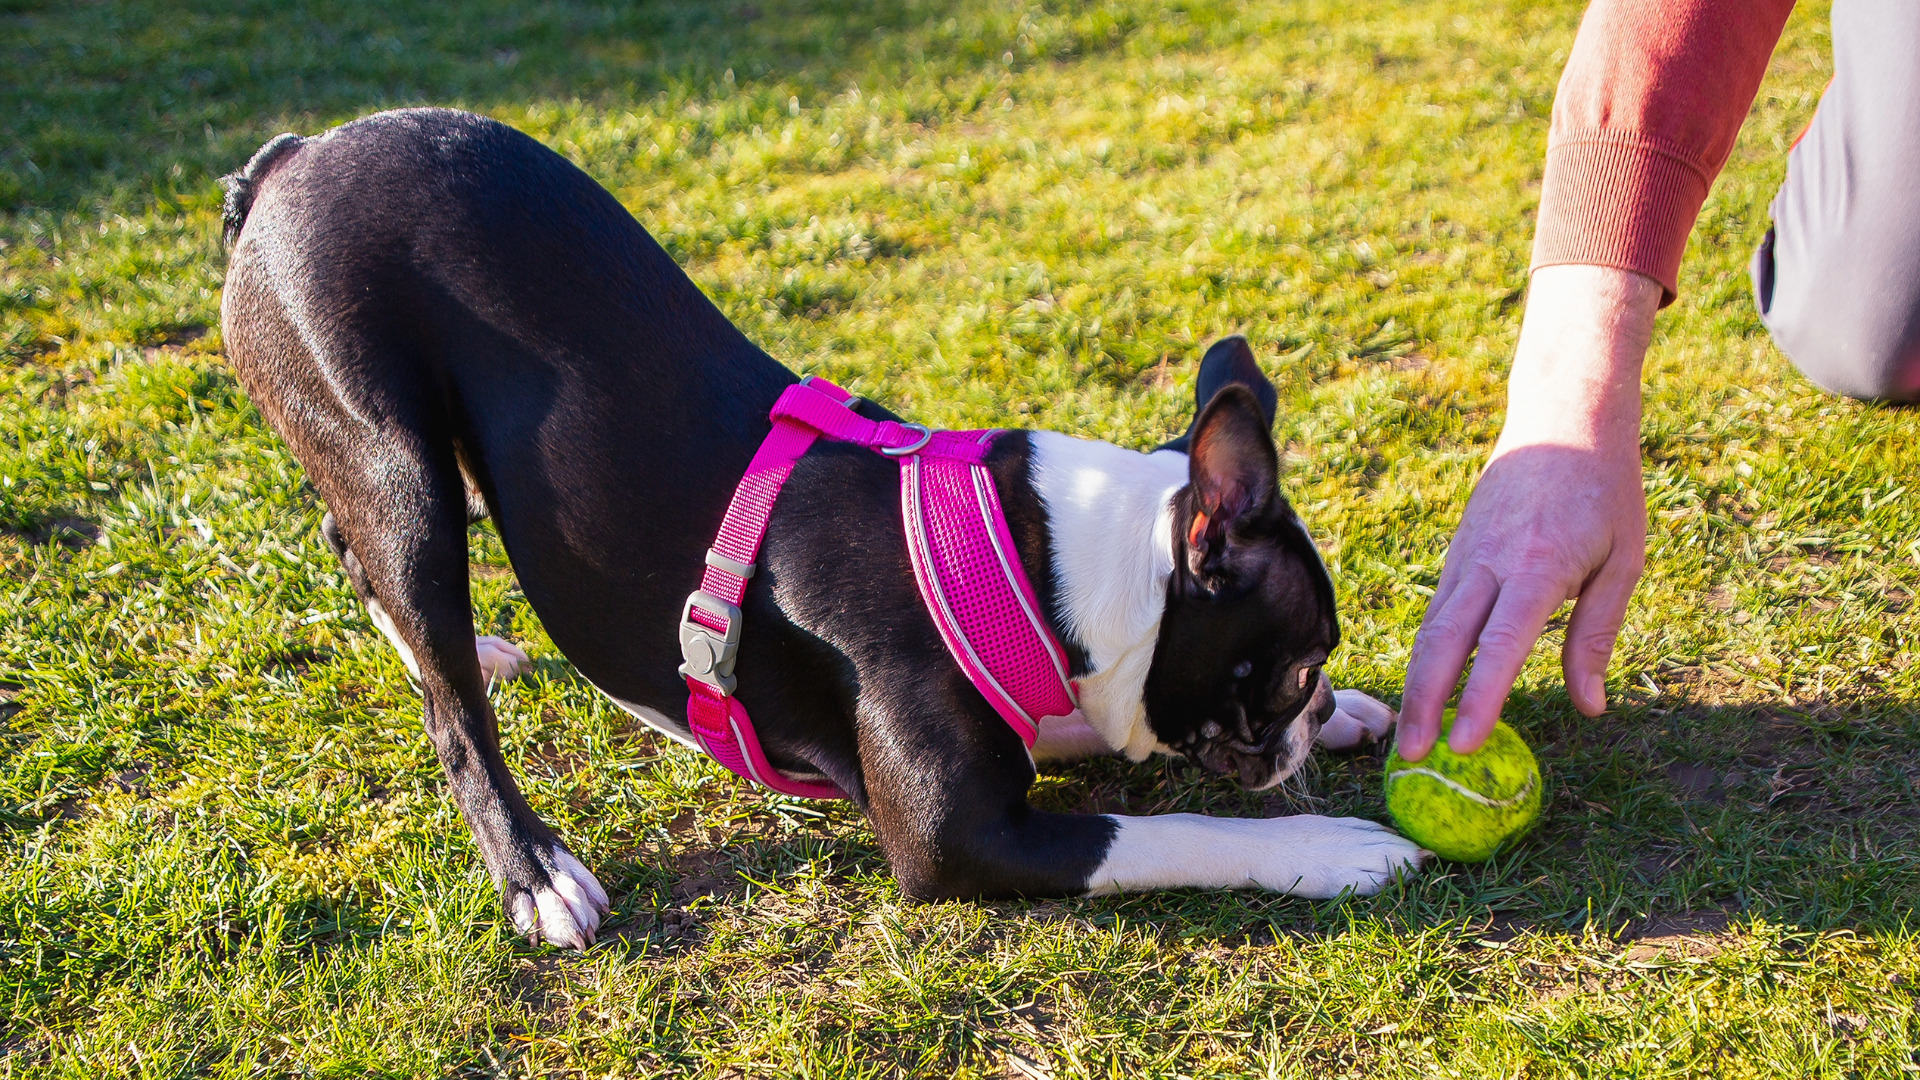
1838 277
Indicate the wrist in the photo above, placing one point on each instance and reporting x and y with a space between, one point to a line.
1576 371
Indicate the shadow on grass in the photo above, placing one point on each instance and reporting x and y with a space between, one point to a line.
1660 828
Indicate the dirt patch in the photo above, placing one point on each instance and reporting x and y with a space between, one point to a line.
1653 868
133 781
1026 1063
680 923
72 533
1800 553
540 984
172 336
703 874
1700 783
1788 782
1024 1031
1697 933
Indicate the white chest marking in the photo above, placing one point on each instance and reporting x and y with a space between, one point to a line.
1110 515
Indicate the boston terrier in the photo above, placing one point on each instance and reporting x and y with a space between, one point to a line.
445 320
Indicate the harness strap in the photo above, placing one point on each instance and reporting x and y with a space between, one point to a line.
718 721
964 560
973 585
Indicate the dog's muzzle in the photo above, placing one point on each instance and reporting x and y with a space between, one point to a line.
1261 765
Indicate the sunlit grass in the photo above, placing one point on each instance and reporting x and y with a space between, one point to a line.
227 847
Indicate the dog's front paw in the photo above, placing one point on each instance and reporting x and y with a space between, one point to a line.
501 659
567 910
1332 856
1358 720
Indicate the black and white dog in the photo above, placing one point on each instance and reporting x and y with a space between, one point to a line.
445 320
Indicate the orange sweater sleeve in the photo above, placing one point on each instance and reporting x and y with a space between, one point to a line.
1648 107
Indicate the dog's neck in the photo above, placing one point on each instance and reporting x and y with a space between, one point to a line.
1110 517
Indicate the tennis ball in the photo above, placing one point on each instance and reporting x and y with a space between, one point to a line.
1465 806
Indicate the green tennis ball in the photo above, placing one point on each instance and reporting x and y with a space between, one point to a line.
1464 807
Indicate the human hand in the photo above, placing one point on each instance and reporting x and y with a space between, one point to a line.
1559 513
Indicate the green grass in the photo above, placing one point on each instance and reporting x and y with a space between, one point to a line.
225 847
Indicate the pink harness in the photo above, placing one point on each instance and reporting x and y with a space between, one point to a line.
963 558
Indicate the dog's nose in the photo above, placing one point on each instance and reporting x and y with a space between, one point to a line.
1321 705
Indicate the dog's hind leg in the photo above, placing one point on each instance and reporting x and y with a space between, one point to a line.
499 658
399 521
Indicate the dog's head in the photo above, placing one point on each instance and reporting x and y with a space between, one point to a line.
1235 682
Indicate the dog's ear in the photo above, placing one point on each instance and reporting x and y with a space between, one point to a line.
1229 362
1233 478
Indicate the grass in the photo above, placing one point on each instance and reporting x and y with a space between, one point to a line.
225 848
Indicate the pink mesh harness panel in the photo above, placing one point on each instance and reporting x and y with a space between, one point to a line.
963 558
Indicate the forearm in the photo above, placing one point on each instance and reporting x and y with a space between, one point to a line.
1576 373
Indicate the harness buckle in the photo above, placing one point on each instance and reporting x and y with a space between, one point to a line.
708 656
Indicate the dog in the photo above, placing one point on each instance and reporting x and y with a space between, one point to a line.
447 321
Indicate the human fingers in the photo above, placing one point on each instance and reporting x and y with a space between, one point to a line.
1440 653
1595 625
1525 604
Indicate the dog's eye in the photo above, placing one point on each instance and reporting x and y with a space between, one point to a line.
1243 669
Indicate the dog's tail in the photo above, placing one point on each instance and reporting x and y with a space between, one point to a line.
240 185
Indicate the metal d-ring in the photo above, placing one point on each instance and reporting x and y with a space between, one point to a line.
926 436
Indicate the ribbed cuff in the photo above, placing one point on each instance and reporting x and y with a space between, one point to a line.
1614 199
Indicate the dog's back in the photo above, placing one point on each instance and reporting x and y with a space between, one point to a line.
458 284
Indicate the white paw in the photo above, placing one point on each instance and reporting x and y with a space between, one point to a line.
1356 721
1305 855
500 659
1332 856
566 912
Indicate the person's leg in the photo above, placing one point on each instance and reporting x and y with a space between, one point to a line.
1837 279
